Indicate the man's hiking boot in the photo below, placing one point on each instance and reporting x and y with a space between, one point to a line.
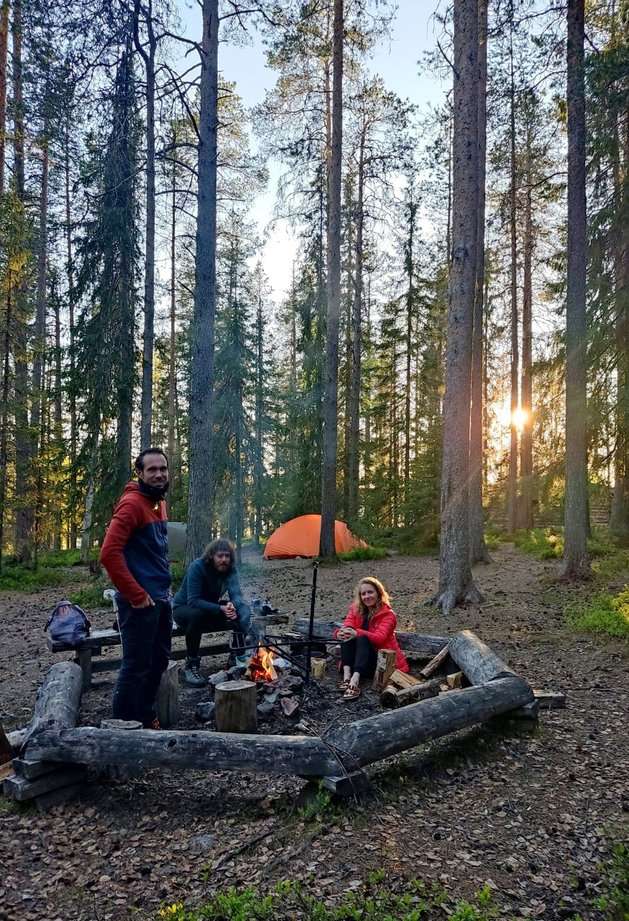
192 675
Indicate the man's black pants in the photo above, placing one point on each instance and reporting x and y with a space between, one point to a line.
197 621
360 656
146 635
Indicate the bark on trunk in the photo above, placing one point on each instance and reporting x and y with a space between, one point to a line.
330 396
512 487
4 42
39 337
526 389
58 700
149 260
576 561
202 338
356 343
455 575
478 550
72 395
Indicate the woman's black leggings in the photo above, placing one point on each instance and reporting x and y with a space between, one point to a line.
196 622
360 656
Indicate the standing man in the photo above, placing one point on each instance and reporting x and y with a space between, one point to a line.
135 555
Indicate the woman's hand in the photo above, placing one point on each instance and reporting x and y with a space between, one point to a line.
346 633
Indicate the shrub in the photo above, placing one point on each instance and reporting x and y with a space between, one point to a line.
602 614
363 553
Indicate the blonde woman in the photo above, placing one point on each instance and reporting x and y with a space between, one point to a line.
369 626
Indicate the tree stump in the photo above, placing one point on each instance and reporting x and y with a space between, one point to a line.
168 696
236 706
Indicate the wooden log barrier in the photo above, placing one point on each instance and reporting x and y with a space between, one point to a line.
420 643
377 737
200 750
58 699
476 660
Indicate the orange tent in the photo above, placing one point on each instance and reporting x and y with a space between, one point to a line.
300 537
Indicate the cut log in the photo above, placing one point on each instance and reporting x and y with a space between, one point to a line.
435 664
347 785
6 752
194 750
20 789
58 699
16 738
393 697
236 706
550 700
476 660
385 666
377 737
167 703
455 680
31 770
402 679
125 725
428 646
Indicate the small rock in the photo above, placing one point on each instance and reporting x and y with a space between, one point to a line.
218 678
265 708
201 844
289 705
205 710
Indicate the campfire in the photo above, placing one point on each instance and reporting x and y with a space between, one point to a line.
261 666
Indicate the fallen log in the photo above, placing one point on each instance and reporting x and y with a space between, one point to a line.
550 700
476 660
197 750
58 700
377 737
393 697
421 643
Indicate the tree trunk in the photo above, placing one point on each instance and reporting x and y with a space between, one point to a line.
39 337
4 42
328 479
149 261
58 414
202 338
512 487
173 446
4 418
478 550
576 562
455 575
73 499
258 467
23 446
410 311
526 390
619 517
356 340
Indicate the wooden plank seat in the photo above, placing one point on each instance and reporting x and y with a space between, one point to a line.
98 640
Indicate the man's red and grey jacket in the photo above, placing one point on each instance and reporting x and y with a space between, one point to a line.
135 549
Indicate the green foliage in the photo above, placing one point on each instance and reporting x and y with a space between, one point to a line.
374 901
21 578
615 902
363 553
542 543
91 596
603 614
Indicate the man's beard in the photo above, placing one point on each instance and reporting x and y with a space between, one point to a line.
153 492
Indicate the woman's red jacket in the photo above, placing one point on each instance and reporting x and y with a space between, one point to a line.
380 633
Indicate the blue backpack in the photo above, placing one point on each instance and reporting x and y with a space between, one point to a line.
68 624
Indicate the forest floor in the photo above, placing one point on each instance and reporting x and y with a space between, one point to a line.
534 816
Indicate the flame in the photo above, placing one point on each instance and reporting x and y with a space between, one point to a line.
261 666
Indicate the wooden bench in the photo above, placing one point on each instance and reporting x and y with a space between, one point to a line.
92 646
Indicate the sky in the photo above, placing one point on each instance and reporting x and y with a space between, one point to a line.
396 59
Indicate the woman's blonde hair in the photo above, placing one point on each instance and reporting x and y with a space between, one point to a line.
383 595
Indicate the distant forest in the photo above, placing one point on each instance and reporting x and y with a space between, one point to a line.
462 271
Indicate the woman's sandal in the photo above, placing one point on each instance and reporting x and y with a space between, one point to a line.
343 685
351 693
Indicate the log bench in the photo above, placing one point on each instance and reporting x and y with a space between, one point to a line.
93 645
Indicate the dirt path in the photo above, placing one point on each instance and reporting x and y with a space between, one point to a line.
533 815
